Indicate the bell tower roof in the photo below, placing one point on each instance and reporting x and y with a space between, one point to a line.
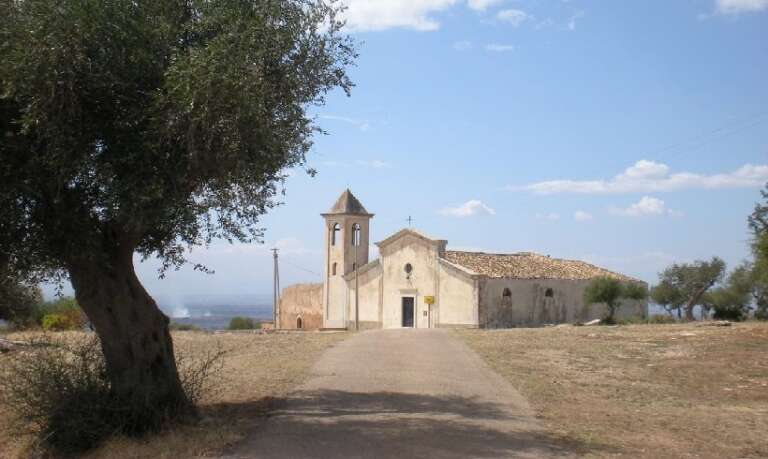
348 204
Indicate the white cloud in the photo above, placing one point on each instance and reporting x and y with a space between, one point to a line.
651 177
468 209
550 216
512 16
647 206
482 5
499 48
740 6
374 163
575 17
462 45
363 125
581 216
373 15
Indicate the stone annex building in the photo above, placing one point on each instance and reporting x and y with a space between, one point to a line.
417 282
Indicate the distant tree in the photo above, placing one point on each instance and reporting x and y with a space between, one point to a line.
758 220
731 301
243 323
684 285
758 224
670 298
760 276
610 292
149 127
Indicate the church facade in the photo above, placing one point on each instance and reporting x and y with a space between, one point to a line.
417 282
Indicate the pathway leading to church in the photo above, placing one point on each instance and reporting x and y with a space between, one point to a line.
402 393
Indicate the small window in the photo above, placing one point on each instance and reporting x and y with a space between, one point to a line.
408 268
549 293
333 269
335 233
354 266
299 323
507 293
356 234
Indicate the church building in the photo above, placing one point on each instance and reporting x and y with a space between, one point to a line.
417 282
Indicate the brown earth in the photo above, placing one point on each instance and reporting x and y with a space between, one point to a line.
644 390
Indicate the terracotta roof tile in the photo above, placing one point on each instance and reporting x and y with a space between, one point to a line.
528 265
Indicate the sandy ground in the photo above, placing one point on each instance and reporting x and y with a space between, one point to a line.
655 391
403 393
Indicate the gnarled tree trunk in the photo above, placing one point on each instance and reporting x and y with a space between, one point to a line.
693 301
134 335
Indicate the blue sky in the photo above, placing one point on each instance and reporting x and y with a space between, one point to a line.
628 134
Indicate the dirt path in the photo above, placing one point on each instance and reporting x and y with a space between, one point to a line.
402 393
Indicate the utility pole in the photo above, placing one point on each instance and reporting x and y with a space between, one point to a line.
276 289
356 239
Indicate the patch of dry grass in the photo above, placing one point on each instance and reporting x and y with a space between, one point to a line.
258 369
643 390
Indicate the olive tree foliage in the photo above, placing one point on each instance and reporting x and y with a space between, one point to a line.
732 299
758 225
18 299
682 286
610 292
149 126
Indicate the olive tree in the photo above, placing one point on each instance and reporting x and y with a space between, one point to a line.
146 127
758 224
611 291
684 285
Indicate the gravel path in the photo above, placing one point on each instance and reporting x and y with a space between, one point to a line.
402 393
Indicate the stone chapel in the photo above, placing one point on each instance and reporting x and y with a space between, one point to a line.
416 282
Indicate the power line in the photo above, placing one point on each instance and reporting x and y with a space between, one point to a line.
715 134
302 268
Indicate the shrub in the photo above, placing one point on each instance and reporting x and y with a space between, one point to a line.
176 326
57 322
69 315
243 323
60 391
661 319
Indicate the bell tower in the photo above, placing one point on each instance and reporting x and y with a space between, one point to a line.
346 233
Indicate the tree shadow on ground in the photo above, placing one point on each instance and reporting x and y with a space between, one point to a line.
386 424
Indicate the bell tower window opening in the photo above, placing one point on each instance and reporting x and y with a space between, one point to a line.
333 269
335 233
507 293
356 235
549 293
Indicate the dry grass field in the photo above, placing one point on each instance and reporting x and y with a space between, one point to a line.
257 369
644 390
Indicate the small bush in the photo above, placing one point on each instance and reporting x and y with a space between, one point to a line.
61 392
735 314
62 314
661 319
176 326
243 323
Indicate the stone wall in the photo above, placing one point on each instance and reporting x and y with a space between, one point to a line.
301 301
543 301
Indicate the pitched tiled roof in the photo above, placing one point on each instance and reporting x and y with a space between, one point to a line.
527 265
348 204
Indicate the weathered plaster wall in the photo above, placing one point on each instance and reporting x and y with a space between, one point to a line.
422 282
457 304
304 301
529 306
369 284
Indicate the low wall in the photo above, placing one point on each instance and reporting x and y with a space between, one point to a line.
301 301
